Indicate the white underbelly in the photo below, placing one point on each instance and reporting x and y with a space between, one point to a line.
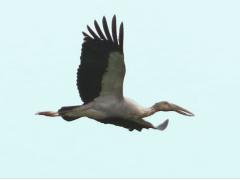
110 106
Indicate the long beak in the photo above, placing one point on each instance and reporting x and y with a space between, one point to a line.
181 110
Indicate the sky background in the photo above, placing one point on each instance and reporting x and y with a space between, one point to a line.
186 52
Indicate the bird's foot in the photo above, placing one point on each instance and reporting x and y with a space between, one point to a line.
48 113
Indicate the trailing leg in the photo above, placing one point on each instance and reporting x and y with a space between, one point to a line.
68 113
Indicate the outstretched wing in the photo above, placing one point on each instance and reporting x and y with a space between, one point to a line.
128 124
102 68
137 124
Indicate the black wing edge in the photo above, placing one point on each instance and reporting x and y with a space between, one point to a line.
116 40
130 125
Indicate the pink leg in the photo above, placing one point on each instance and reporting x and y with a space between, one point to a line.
48 113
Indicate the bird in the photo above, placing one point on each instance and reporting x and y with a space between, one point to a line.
100 78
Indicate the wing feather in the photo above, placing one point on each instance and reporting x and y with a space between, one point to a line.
102 69
114 30
137 124
121 35
99 30
93 33
86 35
106 30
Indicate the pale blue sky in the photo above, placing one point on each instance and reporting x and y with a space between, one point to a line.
186 52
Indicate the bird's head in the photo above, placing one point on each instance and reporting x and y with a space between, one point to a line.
166 106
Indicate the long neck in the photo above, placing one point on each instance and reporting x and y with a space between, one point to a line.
149 111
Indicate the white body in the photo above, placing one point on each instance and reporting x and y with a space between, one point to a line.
124 108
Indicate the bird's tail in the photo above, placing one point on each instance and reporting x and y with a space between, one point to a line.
67 113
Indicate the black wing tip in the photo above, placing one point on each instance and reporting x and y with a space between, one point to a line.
104 19
114 30
106 29
121 27
94 35
95 23
99 31
85 34
121 36
88 27
105 35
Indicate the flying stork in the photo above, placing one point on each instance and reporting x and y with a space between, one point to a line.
100 79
